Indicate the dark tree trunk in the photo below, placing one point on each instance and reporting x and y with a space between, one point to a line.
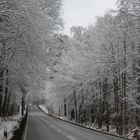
23 106
65 107
6 95
75 104
1 96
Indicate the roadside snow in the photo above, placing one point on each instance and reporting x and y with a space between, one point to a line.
132 131
112 130
63 118
44 109
9 124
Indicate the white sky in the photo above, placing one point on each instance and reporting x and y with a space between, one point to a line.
84 12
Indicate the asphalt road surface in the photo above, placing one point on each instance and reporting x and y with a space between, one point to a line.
43 127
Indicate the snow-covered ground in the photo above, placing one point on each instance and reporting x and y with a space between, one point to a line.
43 108
9 124
63 118
112 130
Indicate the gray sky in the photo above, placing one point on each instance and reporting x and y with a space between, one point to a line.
84 12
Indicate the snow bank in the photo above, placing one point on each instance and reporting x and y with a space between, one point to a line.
63 118
9 124
112 130
44 109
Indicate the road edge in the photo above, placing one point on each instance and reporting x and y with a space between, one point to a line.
23 137
80 125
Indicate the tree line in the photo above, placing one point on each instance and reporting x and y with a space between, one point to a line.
98 78
27 29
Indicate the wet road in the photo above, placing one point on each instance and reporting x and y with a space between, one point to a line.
43 127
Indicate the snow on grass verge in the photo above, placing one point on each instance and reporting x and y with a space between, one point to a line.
91 126
63 118
10 124
44 109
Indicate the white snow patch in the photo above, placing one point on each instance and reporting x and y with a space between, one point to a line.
63 118
58 130
9 124
71 138
44 109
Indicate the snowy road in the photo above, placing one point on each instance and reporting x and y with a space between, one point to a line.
43 127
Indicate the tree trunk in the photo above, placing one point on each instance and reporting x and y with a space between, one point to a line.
23 105
100 116
6 94
75 103
65 107
1 91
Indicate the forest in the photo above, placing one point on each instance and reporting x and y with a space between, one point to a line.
27 30
97 79
92 76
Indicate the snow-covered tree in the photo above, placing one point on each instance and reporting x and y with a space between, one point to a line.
26 27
